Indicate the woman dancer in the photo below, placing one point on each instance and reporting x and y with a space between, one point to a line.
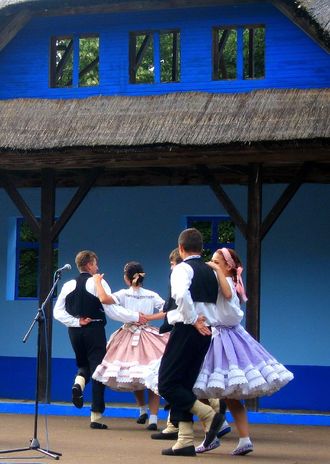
236 366
134 349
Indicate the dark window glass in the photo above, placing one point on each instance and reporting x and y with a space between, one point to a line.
61 62
170 56
142 69
217 232
27 261
62 67
224 53
89 61
254 52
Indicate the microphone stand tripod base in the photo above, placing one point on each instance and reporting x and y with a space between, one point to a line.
35 445
34 442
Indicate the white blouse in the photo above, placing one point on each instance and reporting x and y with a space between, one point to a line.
139 299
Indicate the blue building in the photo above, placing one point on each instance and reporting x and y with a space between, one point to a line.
123 122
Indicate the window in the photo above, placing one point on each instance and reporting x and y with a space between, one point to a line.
238 52
27 261
254 52
217 232
154 57
74 61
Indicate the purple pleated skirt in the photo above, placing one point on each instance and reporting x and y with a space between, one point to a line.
237 366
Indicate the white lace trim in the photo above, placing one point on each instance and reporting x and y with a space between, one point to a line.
253 381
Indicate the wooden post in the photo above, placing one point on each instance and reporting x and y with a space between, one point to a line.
48 191
254 258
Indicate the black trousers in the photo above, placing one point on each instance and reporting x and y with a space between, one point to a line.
179 369
89 345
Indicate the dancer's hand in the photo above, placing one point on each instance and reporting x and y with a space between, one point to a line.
201 327
213 265
143 319
97 278
85 321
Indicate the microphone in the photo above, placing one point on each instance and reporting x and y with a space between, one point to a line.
66 267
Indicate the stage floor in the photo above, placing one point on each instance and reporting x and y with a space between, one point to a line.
127 442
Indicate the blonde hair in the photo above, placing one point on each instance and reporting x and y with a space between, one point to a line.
83 258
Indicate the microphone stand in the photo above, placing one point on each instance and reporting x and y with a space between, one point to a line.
40 318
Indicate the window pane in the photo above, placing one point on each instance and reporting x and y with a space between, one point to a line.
142 62
226 232
25 233
254 52
170 56
89 61
207 255
205 228
62 62
28 273
224 53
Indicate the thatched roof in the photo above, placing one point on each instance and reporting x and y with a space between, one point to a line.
184 119
318 10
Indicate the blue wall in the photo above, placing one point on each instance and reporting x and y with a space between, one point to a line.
293 59
295 312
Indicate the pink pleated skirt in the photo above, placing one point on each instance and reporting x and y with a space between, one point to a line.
133 351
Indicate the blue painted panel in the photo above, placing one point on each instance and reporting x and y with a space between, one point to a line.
293 59
308 390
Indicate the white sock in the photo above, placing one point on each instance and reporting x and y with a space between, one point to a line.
95 416
153 419
224 425
243 441
143 410
80 380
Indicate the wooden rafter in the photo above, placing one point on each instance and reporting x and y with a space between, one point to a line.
283 201
14 25
20 203
83 190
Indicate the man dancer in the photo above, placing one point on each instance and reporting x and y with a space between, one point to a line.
79 308
195 289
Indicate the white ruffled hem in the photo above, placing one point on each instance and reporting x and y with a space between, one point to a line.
253 381
125 376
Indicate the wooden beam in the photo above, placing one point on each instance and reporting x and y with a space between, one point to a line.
19 202
254 250
284 200
46 270
254 258
225 200
83 190
14 25
158 156
142 5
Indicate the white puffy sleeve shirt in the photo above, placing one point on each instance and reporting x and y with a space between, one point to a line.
139 299
188 310
229 310
114 311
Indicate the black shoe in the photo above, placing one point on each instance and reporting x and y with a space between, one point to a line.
142 419
77 396
98 426
186 451
152 427
216 424
165 436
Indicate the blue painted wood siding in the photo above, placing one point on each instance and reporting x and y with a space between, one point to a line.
293 59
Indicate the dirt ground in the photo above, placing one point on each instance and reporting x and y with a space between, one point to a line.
127 442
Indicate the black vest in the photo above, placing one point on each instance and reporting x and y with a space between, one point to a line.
204 284
81 303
